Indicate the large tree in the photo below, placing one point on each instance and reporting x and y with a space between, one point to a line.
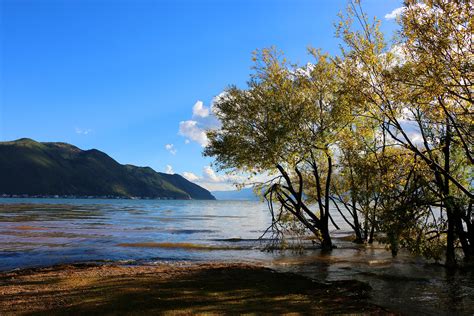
385 131
420 92
284 123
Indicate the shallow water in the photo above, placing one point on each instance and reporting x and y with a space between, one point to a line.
38 232
404 284
41 232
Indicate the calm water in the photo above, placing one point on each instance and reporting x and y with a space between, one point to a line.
40 232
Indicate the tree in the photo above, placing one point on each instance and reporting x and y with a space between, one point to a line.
422 88
357 184
284 124
383 132
437 40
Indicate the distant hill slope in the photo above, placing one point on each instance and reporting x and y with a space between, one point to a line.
34 168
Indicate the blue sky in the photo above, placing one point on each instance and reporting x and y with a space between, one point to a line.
120 75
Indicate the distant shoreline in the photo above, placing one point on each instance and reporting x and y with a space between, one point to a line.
89 197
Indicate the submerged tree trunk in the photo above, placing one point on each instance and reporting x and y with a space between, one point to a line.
357 226
326 237
465 236
290 197
372 231
326 243
469 221
450 251
358 229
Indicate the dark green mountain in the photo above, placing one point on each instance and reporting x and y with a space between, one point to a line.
33 168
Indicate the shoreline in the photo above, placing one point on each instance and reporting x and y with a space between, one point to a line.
95 197
175 288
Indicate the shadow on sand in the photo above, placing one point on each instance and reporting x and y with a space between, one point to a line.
210 288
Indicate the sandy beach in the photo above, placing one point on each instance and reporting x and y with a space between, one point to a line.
174 289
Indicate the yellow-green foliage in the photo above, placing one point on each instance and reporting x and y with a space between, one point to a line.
390 125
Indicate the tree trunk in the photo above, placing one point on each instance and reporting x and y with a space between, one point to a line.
469 220
450 251
358 230
372 232
326 243
463 236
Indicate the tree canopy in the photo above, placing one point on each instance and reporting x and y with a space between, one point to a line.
380 133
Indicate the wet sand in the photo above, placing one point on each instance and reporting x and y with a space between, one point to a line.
176 288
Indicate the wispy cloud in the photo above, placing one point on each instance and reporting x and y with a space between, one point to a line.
83 131
416 138
169 169
395 13
171 149
210 180
190 176
214 181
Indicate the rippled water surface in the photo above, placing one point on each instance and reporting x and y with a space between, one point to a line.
48 231
40 232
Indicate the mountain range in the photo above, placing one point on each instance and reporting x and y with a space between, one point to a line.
32 168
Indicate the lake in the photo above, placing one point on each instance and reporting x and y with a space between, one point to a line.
38 232
42 232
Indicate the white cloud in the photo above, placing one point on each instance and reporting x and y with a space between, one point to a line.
171 149
216 186
209 175
169 169
186 141
416 138
83 131
397 55
213 181
203 119
193 131
190 176
420 7
216 99
406 117
200 110
395 13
